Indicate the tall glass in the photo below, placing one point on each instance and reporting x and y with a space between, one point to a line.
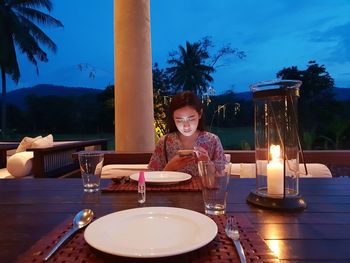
214 178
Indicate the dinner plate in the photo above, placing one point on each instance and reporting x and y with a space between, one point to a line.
160 177
150 232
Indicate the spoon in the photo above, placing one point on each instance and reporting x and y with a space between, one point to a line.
81 219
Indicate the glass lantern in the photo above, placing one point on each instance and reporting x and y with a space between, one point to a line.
277 145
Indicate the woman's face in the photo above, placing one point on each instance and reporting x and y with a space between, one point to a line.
186 120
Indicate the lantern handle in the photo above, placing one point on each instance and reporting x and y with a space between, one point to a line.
298 138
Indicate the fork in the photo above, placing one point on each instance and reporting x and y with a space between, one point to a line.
232 232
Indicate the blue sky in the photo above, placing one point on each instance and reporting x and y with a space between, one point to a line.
273 34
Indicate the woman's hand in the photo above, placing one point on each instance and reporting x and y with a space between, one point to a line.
202 154
177 163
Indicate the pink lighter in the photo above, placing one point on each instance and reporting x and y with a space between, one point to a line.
141 188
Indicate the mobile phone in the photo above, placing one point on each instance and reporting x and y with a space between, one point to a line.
185 153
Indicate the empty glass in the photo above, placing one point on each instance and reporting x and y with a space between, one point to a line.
91 167
214 178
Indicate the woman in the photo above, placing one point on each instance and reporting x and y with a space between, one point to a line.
185 132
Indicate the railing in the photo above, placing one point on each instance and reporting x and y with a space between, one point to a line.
338 161
57 160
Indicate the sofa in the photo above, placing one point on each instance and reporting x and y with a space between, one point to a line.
44 161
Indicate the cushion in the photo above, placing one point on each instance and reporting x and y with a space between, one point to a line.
247 170
43 142
20 164
4 174
26 143
243 170
315 170
228 157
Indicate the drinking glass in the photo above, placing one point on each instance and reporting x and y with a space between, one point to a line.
91 167
214 177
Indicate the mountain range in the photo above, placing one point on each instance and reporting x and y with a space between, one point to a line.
17 97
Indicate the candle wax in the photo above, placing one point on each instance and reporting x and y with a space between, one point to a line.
275 178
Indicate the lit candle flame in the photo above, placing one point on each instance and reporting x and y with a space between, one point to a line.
275 151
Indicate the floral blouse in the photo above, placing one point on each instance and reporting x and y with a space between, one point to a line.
207 140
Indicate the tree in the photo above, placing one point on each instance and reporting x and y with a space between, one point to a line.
161 80
317 83
106 109
316 103
192 65
51 114
190 71
161 98
18 27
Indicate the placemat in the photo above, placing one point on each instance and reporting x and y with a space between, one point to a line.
194 184
221 249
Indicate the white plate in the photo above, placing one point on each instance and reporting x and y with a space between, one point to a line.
162 177
151 232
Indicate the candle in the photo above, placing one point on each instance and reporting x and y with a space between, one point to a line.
275 172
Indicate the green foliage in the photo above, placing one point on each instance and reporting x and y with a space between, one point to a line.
49 113
88 113
191 66
337 128
239 138
160 108
323 121
18 27
105 102
309 139
227 111
161 81
189 70
161 86
316 94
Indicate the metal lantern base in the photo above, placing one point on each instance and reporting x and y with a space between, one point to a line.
287 204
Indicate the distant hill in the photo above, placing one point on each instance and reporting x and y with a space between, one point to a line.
340 94
17 97
247 95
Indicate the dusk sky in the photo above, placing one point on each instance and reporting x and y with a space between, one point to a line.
273 34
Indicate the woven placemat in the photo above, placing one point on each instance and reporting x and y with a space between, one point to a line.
221 249
194 184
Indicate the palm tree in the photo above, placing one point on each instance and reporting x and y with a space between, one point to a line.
189 71
18 28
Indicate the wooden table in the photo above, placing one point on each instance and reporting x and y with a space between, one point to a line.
31 208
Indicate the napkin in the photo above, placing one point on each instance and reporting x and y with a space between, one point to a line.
26 143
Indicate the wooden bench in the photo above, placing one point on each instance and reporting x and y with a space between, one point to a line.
57 160
4 148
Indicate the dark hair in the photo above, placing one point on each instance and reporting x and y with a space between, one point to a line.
180 100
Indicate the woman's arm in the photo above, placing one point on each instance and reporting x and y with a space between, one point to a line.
157 161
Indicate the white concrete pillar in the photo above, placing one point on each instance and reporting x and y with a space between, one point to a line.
134 122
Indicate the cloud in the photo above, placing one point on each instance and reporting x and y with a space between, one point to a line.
338 38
